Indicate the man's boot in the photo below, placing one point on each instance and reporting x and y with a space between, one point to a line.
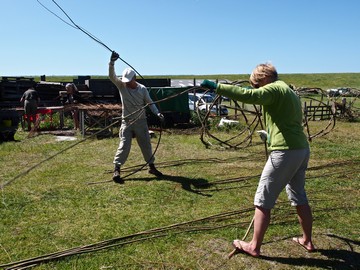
154 171
116 176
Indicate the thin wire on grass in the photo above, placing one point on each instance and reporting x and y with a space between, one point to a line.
144 235
95 134
138 113
175 229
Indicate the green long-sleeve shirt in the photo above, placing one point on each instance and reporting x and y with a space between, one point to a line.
282 112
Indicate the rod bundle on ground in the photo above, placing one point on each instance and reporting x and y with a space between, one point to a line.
184 227
213 222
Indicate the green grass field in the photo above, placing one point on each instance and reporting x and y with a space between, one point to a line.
60 210
58 202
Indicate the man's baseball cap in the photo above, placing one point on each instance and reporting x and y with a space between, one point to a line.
127 75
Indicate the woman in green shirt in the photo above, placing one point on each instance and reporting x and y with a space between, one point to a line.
289 152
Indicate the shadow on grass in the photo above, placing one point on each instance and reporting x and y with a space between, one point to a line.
335 258
188 184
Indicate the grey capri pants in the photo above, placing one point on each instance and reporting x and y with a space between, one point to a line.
283 169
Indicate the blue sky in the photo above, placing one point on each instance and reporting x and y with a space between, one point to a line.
180 37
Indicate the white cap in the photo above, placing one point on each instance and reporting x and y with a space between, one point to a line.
127 75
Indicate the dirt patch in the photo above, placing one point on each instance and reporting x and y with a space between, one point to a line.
59 132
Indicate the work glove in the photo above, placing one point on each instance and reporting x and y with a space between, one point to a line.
161 117
114 56
208 84
263 135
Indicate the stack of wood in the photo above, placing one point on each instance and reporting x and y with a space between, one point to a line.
99 109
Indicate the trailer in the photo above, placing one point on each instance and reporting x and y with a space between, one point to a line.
9 122
173 103
11 90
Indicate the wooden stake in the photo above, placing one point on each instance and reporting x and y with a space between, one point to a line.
236 250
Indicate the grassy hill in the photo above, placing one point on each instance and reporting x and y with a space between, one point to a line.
319 80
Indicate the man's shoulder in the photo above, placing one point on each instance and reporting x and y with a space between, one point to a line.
141 86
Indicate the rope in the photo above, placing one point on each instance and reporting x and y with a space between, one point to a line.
178 228
97 40
234 142
93 135
76 26
173 229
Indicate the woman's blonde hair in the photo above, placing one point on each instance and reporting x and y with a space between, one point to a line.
263 72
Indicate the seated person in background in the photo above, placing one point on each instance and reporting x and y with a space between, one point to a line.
73 97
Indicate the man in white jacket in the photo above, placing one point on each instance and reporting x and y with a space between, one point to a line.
134 98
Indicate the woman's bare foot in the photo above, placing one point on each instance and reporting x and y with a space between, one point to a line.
308 246
246 248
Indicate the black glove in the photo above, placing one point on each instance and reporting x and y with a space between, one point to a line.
161 117
208 84
263 135
114 56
